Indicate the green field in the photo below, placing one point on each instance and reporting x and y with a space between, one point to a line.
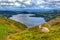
12 30
8 26
35 34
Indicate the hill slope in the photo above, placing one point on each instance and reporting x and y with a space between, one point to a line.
35 34
8 26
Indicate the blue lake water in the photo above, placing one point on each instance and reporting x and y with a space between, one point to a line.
27 20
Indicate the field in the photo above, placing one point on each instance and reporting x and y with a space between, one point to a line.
35 33
12 30
8 26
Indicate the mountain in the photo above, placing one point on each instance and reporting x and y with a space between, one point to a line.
47 14
8 26
35 34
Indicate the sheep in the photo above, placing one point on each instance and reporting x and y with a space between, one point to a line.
43 29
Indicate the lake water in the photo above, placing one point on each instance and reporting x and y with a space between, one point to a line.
27 20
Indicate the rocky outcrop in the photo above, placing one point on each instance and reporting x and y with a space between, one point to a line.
51 22
43 29
54 21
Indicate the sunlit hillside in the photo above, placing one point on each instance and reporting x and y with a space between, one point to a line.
35 33
8 26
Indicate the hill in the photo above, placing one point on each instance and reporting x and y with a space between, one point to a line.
47 15
8 26
35 34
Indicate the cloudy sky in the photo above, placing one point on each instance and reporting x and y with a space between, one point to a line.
33 3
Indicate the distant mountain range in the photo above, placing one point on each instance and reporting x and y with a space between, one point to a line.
47 14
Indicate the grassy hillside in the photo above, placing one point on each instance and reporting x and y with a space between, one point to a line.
8 26
35 34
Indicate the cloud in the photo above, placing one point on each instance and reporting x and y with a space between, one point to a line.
37 3
45 3
17 4
49 3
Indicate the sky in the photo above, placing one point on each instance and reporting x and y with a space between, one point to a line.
32 3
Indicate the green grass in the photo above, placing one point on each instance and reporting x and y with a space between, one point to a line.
4 31
35 34
8 26
19 31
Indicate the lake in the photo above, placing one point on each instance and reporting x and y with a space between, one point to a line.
27 20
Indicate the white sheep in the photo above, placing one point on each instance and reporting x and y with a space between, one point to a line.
43 29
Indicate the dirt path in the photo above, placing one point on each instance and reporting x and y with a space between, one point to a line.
9 38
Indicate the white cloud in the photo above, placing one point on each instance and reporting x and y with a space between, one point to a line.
42 7
27 2
20 0
39 3
17 4
11 0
